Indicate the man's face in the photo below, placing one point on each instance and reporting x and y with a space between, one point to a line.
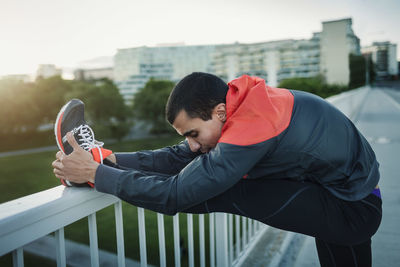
201 135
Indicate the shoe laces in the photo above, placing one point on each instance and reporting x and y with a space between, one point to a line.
86 139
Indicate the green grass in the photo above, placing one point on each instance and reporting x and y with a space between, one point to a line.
17 141
28 174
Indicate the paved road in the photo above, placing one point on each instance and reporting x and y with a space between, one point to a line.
28 151
379 121
395 94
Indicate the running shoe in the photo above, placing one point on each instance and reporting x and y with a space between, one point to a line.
71 118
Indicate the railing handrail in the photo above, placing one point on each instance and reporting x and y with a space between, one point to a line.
26 219
31 217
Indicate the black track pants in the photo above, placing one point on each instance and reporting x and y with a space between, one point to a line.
342 229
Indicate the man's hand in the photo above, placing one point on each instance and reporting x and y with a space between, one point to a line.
77 167
112 158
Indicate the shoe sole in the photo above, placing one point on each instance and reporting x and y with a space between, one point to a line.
57 127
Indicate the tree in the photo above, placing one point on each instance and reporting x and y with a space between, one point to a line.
105 109
315 85
312 85
149 104
18 110
49 97
358 70
26 106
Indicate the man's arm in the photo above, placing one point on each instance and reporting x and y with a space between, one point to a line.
203 178
206 176
167 160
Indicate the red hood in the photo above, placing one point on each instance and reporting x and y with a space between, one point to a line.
255 111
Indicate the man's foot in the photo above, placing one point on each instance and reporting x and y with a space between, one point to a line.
71 118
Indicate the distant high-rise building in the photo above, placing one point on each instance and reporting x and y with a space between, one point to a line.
18 77
337 42
94 74
95 69
272 61
326 53
384 57
135 66
48 70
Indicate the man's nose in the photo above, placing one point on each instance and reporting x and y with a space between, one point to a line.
194 146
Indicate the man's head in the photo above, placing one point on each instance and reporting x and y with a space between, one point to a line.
196 109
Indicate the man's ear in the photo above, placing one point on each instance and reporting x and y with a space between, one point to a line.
220 110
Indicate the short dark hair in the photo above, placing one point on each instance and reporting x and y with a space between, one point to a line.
197 93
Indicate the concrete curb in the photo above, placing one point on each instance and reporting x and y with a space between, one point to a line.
77 254
28 151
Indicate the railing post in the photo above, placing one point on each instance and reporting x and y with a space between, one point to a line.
212 239
230 231
60 248
119 229
201 241
237 225
161 239
18 257
244 233
177 247
142 238
221 236
190 239
250 229
94 247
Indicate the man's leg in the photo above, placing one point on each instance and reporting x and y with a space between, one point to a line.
304 208
331 255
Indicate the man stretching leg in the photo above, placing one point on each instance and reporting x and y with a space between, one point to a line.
283 157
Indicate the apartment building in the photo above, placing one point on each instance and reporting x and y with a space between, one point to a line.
384 57
48 70
272 61
326 52
337 42
94 74
135 66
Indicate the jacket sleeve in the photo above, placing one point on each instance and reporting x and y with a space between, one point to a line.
203 178
167 160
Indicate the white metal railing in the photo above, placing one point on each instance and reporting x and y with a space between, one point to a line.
31 217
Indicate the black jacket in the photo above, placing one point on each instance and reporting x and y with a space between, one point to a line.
270 133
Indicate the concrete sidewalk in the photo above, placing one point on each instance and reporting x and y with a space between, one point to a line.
379 121
28 151
77 254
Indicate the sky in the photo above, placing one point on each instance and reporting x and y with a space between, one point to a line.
68 32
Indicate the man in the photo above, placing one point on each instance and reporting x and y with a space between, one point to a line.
283 157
